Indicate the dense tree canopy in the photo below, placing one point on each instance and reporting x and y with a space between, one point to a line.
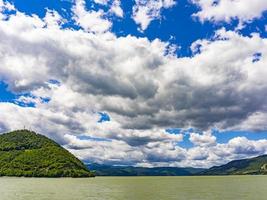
25 153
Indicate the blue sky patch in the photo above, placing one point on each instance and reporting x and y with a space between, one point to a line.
104 117
256 57
5 94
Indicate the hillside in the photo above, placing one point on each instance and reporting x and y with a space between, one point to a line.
253 166
105 170
25 153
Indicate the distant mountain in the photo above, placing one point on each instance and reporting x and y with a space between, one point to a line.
25 153
106 170
253 166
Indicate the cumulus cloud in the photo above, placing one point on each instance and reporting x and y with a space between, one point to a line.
104 2
146 11
114 6
205 139
53 19
91 21
257 119
165 154
218 154
141 85
227 10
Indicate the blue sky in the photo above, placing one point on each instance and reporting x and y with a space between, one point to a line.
151 79
182 32
5 94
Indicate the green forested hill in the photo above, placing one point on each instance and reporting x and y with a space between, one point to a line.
25 153
253 166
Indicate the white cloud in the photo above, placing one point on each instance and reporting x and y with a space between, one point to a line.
91 21
254 120
104 2
116 8
218 154
227 10
114 5
53 19
205 139
96 71
146 11
197 154
106 152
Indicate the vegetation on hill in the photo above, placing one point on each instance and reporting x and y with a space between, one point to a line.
105 170
25 153
253 166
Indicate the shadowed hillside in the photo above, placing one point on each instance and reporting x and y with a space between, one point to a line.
253 166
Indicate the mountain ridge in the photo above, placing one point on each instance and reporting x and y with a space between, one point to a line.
251 166
107 170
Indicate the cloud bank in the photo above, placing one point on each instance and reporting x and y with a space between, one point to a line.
227 10
70 75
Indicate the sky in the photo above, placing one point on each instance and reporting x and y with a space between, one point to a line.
144 83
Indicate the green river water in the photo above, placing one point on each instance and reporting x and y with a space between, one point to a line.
136 188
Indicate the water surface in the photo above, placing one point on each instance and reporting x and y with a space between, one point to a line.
136 188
